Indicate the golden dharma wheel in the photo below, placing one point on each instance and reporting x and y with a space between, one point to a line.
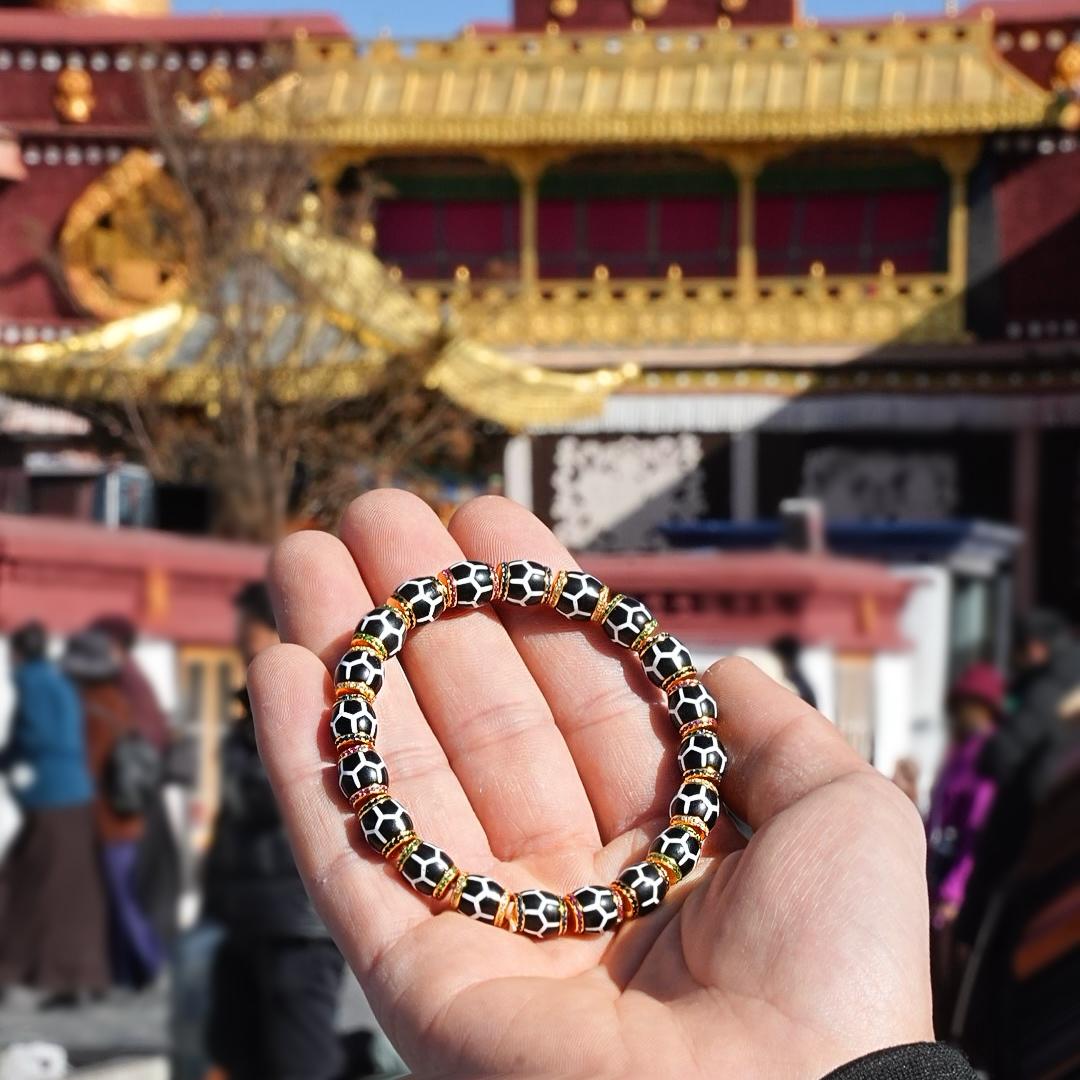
128 242
563 9
648 9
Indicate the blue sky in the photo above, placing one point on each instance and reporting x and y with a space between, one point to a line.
437 18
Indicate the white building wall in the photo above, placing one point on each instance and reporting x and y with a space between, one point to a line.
158 660
892 683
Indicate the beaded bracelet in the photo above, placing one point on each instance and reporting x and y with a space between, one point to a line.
389 829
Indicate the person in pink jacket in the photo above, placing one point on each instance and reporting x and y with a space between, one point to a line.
962 796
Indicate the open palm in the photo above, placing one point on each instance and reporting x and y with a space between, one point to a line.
537 753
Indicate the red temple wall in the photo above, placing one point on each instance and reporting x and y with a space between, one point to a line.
614 14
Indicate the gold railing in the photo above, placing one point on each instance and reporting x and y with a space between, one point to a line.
816 309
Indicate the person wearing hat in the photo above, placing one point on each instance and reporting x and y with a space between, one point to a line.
962 796
53 858
277 975
114 744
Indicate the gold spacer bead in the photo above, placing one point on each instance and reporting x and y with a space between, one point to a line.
667 864
372 644
626 900
445 882
601 605
702 776
684 677
564 916
388 850
502 581
400 853
692 824
609 605
365 796
503 910
353 742
705 723
514 915
447 586
575 909
555 590
682 673
404 610
648 632
359 689
457 889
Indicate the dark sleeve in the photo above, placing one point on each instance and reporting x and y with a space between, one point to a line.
917 1061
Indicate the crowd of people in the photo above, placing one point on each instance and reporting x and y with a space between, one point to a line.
89 887
84 904
1003 838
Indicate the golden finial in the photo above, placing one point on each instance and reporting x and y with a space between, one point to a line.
74 98
462 275
888 268
600 273
817 269
563 9
674 272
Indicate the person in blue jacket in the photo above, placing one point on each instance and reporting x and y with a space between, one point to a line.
52 911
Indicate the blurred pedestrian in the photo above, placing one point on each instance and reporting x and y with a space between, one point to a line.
125 768
157 870
277 974
44 941
960 804
788 650
962 796
145 709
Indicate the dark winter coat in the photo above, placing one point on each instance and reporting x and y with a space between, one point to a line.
252 886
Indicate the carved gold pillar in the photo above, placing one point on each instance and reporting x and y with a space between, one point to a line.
957 157
747 166
530 257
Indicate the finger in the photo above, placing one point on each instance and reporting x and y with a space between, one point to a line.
356 893
475 690
612 719
781 749
320 597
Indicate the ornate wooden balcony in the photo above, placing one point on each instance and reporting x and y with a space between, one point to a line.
819 308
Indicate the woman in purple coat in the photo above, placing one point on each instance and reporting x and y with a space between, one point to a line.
962 796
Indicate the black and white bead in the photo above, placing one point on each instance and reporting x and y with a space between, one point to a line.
599 908
425 867
664 657
625 619
474 583
353 718
579 596
697 800
702 751
647 882
690 701
679 845
424 598
384 823
386 626
539 913
361 768
525 582
360 666
481 897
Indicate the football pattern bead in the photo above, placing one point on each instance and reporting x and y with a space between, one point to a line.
625 619
702 751
580 595
389 829
423 597
474 581
385 625
539 913
353 718
679 845
525 582
360 769
599 908
696 799
384 823
481 898
425 867
647 882
360 666
690 701
664 658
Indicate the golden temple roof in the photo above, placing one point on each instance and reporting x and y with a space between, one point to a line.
671 87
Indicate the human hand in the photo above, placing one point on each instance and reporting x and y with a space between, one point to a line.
537 753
